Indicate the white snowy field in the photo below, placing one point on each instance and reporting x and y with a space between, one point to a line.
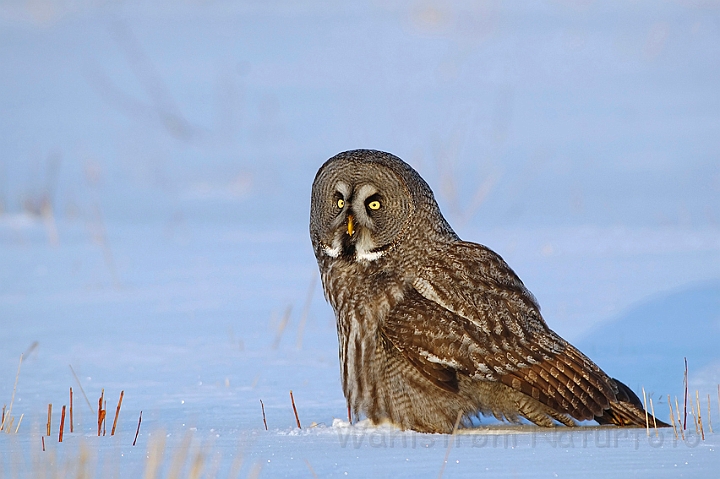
155 169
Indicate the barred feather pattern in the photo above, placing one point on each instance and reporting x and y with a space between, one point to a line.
430 326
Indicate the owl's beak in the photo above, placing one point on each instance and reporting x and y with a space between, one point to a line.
350 229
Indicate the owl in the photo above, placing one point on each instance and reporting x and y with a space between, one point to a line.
433 330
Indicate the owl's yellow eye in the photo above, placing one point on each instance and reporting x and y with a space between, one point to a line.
374 205
340 203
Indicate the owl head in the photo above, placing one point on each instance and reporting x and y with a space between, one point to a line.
366 202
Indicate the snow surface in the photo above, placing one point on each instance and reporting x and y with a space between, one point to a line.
155 167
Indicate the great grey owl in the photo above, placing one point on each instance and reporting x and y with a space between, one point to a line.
433 329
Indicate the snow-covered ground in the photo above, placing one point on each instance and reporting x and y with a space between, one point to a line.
155 169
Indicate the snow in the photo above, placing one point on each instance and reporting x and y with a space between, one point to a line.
155 168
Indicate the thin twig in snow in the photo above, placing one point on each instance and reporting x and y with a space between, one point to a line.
100 412
12 398
62 424
19 421
699 416
71 411
709 419
31 348
117 413
281 328
312 471
652 409
77 379
647 421
137 431
672 417
262 406
677 409
685 380
297 419
450 443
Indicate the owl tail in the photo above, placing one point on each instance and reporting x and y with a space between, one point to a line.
627 410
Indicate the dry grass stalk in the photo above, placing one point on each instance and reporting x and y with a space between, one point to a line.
677 409
77 379
72 428
312 471
262 406
685 381
297 419
652 409
255 470
104 418
99 415
236 467
62 424
647 422
12 399
18 426
156 448
117 413
83 463
2 419
197 465
699 416
695 421
49 421
137 431
709 419
42 439
101 412
450 443
181 454
31 348
281 328
672 417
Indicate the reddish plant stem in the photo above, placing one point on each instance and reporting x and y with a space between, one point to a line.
62 424
686 396
117 413
137 431
262 406
297 419
99 417
71 412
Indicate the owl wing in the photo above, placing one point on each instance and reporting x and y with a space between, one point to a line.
486 325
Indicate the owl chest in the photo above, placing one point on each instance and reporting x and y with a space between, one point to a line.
362 299
361 302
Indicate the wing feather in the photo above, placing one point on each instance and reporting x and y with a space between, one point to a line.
487 325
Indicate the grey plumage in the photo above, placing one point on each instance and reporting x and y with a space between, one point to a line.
431 327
